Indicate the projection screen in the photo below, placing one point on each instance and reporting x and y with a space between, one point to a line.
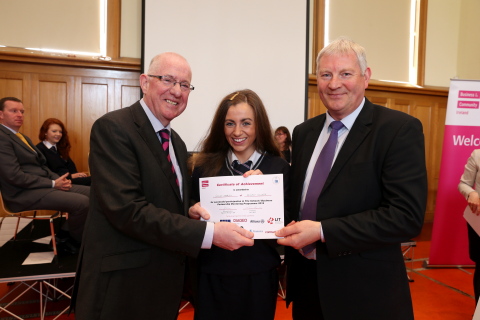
261 45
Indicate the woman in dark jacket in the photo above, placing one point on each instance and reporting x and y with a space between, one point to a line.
55 145
284 141
240 284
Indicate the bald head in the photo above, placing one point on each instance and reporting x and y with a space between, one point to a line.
167 58
166 98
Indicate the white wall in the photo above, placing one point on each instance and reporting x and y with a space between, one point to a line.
469 41
131 32
381 27
453 31
442 42
51 24
233 45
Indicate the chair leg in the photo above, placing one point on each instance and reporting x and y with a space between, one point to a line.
32 226
54 243
16 229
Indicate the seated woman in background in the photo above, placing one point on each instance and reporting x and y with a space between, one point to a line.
284 141
55 146
240 284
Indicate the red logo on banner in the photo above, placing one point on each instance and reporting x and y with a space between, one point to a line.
204 183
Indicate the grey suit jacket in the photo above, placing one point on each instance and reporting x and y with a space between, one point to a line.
373 199
137 235
24 176
470 181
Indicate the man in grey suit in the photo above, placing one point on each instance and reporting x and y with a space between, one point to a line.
25 180
373 198
138 235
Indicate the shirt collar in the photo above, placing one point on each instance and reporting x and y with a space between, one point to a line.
348 120
254 157
48 144
157 125
15 132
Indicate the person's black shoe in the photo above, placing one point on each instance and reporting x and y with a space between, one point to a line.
62 236
66 245
66 249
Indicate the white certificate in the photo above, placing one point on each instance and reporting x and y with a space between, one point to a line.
255 203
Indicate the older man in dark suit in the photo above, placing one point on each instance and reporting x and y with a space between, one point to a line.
138 234
348 263
25 180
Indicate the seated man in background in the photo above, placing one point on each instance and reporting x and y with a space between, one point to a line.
26 182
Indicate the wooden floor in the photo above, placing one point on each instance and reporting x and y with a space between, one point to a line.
443 294
437 294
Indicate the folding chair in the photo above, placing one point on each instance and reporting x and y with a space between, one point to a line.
30 214
408 249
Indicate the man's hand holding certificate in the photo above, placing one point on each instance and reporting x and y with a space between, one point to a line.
255 203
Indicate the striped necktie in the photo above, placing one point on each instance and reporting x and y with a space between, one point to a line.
241 168
19 135
165 136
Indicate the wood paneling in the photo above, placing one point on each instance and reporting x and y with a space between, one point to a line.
428 105
75 95
126 92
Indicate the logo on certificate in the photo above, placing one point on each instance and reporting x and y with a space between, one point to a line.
204 183
275 180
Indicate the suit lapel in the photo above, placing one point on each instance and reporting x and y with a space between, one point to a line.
181 156
311 140
306 144
359 131
20 142
147 133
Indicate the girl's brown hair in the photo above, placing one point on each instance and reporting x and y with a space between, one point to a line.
215 146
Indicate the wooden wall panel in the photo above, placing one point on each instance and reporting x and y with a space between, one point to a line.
402 105
77 96
315 105
93 102
51 100
10 87
14 84
126 92
383 101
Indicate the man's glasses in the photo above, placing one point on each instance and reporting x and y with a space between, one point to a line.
169 81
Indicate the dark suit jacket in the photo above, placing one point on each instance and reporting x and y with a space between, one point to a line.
136 236
374 199
58 165
24 176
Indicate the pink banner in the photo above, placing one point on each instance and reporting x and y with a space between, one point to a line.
449 244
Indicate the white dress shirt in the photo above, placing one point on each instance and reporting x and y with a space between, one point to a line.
348 122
